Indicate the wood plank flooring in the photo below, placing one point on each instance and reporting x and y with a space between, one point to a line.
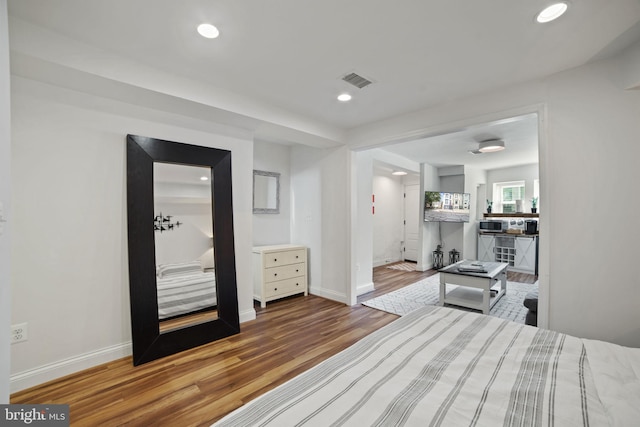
199 386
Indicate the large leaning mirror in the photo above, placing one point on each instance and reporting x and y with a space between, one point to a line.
182 276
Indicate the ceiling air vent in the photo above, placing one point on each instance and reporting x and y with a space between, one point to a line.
356 80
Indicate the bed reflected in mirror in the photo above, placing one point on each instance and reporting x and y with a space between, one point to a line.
183 229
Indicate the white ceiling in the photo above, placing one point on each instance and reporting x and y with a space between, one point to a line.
291 54
181 174
520 135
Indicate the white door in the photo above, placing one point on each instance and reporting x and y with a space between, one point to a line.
411 221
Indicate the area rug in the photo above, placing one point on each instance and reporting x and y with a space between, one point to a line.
427 292
404 266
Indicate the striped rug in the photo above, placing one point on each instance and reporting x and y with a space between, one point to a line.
427 292
404 266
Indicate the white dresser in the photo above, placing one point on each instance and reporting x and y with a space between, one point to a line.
279 271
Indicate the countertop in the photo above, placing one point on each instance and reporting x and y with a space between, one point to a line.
489 233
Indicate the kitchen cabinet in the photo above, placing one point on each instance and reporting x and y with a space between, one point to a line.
526 254
505 249
486 248
519 251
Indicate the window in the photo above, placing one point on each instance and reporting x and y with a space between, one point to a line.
507 193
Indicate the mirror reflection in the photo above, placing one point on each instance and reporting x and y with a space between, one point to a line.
266 192
183 236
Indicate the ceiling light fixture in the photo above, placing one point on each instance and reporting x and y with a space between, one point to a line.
204 178
400 173
344 97
209 31
491 146
552 12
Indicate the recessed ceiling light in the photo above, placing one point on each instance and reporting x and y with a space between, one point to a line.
204 178
552 12
344 97
398 173
208 31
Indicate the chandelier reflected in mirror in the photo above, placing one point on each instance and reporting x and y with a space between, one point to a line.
163 223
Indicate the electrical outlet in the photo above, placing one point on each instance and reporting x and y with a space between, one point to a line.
18 333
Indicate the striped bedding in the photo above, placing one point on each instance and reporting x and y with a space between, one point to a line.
184 293
443 367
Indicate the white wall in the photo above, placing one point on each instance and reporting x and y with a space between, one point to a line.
588 153
273 229
362 228
387 220
69 268
592 167
321 217
190 241
5 199
473 181
429 234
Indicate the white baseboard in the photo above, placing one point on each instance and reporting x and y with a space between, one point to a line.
363 289
51 371
424 267
379 262
329 294
247 315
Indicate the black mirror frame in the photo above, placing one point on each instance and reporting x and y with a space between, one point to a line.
148 343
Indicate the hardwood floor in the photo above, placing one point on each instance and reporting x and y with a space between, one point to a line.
199 386
388 280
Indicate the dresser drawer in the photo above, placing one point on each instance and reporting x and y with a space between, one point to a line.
284 272
275 259
285 286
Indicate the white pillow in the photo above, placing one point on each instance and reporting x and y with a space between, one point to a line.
165 270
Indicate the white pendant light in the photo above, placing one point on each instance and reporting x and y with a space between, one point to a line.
491 146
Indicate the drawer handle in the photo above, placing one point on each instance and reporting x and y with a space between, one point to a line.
275 289
275 259
275 274
297 284
297 257
297 270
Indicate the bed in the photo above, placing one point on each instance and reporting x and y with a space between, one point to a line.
184 288
441 366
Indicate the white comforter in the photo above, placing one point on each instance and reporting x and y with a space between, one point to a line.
444 367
